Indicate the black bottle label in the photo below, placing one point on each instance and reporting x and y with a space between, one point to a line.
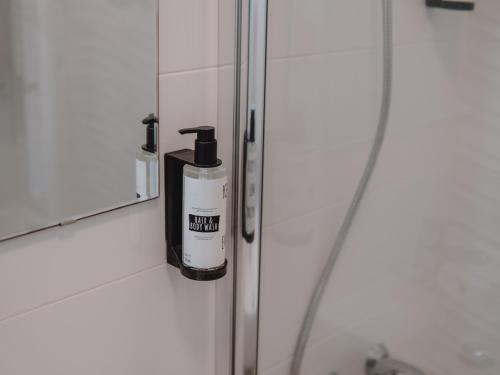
204 224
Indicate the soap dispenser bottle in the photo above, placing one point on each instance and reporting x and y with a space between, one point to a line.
204 204
146 163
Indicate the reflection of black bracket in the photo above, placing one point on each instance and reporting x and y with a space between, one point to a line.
247 235
454 5
248 211
174 165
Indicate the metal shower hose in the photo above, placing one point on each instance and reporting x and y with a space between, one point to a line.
338 245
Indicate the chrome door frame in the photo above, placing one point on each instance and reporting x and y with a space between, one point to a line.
250 88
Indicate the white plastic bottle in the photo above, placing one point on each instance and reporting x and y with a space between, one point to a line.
204 204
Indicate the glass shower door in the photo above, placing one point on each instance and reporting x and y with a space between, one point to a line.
418 273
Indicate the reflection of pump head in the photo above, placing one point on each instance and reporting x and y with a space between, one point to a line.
150 145
451 4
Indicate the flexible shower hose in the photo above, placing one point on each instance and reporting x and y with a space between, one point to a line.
358 195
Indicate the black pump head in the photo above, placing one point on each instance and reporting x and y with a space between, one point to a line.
150 145
205 150
204 133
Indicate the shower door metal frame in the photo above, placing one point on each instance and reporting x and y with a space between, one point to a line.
250 90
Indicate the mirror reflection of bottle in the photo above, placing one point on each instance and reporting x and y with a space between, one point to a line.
146 164
250 180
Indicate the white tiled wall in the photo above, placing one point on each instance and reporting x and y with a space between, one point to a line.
322 109
97 297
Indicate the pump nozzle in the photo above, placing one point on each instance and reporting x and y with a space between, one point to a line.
205 150
204 133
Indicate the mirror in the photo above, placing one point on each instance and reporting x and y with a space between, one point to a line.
77 79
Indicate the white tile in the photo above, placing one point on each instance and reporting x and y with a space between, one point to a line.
225 113
414 22
318 26
188 34
418 325
53 264
322 115
227 32
346 355
487 9
293 254
323 100
329 177
379 252
321 26
187 99
156 322
331 100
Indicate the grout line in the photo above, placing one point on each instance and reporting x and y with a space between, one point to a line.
194 70
371 48
187 71
403 133
342 203
80 293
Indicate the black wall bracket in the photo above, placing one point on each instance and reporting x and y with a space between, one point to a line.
174 165
451 4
